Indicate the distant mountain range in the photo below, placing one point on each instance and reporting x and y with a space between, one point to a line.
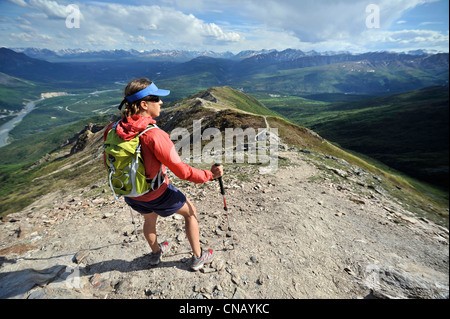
289 72
153 55
66 55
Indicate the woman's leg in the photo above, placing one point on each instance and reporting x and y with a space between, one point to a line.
189 212
150 231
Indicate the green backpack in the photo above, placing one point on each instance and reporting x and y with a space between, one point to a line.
126 166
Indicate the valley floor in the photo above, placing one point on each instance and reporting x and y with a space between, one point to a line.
296 234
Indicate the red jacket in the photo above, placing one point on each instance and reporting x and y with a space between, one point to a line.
157 148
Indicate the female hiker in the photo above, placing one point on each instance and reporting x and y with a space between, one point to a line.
142 104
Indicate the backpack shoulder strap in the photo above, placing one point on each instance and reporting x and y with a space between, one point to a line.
151 126
115 125
159 179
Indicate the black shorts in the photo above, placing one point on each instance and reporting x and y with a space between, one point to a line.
165 205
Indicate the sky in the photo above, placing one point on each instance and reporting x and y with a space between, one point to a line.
226 25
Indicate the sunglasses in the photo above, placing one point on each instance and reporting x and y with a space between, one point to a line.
152 98
149 98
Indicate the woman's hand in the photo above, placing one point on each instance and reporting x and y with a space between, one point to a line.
217 171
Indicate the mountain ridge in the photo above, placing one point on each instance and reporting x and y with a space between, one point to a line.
323 225
184 113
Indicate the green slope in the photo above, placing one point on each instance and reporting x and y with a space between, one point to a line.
349 77
240 101
226 98
407 131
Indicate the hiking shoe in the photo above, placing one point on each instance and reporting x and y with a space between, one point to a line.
206 258
155 258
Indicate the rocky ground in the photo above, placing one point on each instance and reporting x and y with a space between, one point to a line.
302 233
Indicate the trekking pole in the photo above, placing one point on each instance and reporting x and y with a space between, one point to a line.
134 224
222 191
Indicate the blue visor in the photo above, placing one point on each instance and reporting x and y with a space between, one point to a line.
152 89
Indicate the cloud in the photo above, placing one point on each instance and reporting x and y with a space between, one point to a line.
111 25
409 37
21 3
312 21
316 21
405 40
51 8
30 34
221 25
165 25
431 23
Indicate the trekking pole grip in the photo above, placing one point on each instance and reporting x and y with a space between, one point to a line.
222 190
